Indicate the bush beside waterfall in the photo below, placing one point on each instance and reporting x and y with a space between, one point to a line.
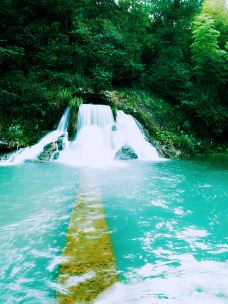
169 128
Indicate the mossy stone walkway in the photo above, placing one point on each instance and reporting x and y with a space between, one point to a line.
90 265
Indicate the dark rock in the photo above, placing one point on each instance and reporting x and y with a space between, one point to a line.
114 128
126 153
47 152
60 143
4 148
5 156
51 150
167 150
55 155
103 97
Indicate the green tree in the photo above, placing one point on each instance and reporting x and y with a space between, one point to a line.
169 67
208 58
218 10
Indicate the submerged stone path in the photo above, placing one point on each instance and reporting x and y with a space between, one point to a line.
89 264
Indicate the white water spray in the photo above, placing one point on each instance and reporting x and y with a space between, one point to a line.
130 133
92 145
64 121
99 138
32 152
94 115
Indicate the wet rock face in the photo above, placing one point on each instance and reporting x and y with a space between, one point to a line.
102 97
5 156
126 153
5 151
47 152
60 143
168 151
51 151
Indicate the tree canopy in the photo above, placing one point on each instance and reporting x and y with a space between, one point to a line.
176 49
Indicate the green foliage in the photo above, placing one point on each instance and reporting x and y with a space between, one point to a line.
217 9
168 66
49 50
16 136
161 122
75 103
207 57
206 97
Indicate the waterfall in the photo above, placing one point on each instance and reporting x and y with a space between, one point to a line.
99 137
32 152
130 133
93 141
64 121
97 142
94 115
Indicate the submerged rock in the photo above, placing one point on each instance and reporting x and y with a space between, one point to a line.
125 153
55 155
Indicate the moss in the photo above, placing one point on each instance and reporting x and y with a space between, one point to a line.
88 253
165 125
72 123
74 105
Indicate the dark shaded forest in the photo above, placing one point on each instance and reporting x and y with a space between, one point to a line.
176 50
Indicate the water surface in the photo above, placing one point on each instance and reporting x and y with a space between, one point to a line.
168 224
35 205
169 231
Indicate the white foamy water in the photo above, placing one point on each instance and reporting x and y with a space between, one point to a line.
93 141
99 138
94 115
96 142
192 282
129 133
32 152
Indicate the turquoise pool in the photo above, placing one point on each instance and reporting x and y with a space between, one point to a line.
168 224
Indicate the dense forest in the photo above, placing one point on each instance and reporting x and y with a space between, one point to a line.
173 50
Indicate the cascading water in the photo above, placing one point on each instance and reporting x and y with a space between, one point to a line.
97 141
32 152
94 115
93 141
64 121
130 133
99 138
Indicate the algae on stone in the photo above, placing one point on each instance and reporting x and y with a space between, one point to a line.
90 266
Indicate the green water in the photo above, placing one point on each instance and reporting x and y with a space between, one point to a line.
168 224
